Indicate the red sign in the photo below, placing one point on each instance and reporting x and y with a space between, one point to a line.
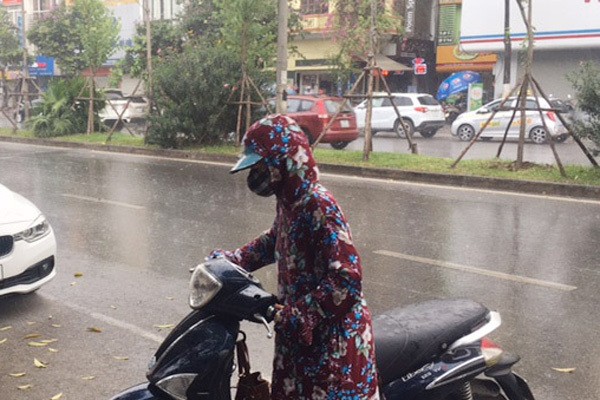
10 3
421 69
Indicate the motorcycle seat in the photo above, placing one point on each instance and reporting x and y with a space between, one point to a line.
407 338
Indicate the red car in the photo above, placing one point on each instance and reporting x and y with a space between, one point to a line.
313 113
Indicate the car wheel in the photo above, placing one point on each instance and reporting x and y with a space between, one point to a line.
561 138
465 132
428 133
538 135
339 145
408 127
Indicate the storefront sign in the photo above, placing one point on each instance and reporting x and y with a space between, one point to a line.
43 66
409 26
11 3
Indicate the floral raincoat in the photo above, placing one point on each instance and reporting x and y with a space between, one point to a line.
324 342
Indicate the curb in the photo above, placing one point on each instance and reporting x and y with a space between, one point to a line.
530 187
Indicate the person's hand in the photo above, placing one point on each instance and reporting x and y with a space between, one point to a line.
278 309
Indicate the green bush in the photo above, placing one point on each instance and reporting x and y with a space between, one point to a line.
586 82
193 97
61 113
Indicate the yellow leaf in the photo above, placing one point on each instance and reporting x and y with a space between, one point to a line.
78 274
32 336
18 374
38 363
55 325
165 326
3 340
94 329
57 396
88 378
120 358
73 283
565 370
31 323
37 344
24 387
51 350
5 328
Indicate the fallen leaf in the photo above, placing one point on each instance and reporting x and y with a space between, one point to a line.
170 298
51 350
49 341
165 326
78 274
24 387
94 329
31 322
120 358
5 328
18 374
32 336
38 363
113 307
37 344
55 325
565 370
3 340
57 396
88 378
73 283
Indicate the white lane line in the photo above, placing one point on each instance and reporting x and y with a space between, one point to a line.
479 271
108 320
103 201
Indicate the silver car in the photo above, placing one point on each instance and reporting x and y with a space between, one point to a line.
468 124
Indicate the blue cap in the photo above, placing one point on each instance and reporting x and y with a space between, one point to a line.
247 160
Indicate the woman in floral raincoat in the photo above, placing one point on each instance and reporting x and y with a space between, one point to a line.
324 343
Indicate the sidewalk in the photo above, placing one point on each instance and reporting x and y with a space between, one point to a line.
539 188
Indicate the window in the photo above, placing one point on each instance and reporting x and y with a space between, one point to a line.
314 6
402 101
428 101
306 105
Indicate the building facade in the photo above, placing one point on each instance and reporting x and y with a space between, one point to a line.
567 32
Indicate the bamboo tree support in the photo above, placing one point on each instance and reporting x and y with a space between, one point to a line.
120 114
512 118
20 96
245 103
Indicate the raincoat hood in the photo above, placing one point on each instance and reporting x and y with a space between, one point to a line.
279 141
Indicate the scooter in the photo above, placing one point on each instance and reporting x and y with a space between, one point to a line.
435 350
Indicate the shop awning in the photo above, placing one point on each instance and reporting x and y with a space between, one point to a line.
387 64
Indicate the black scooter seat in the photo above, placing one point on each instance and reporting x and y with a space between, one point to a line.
409 337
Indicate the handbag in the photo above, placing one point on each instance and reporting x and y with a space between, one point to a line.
251 386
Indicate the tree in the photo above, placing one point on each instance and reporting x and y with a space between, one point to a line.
586 82
10 53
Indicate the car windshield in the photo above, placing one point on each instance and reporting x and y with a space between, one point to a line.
428 101
333 106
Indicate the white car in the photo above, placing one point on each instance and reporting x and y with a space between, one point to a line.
27 245
136 110
468 124
420 112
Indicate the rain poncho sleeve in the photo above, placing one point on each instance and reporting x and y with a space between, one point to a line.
254 255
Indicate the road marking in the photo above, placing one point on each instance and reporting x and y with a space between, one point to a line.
479 271
108 320
103 201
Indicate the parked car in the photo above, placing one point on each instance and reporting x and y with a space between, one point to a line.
420 112
27 245
313 113
466 125
136 111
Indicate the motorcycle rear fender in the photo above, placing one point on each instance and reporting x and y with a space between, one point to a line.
137 392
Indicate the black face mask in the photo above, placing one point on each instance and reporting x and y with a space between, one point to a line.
259 180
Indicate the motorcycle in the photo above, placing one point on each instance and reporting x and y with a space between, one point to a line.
435 350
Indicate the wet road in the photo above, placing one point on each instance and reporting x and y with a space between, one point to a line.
132 226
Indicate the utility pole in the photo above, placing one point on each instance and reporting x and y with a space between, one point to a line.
25 78
282 56
507 49
149 92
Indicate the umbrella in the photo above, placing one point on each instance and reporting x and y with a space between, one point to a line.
457 83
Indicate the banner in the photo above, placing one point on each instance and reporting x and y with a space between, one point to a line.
475 96
11 3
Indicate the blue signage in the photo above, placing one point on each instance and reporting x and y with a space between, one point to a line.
43 66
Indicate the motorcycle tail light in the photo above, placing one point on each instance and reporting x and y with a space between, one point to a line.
421 109
491 352
552 116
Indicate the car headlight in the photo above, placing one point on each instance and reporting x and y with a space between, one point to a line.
38 230
203 287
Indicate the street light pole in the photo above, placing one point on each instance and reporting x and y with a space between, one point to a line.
25 80
282 50
507 49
